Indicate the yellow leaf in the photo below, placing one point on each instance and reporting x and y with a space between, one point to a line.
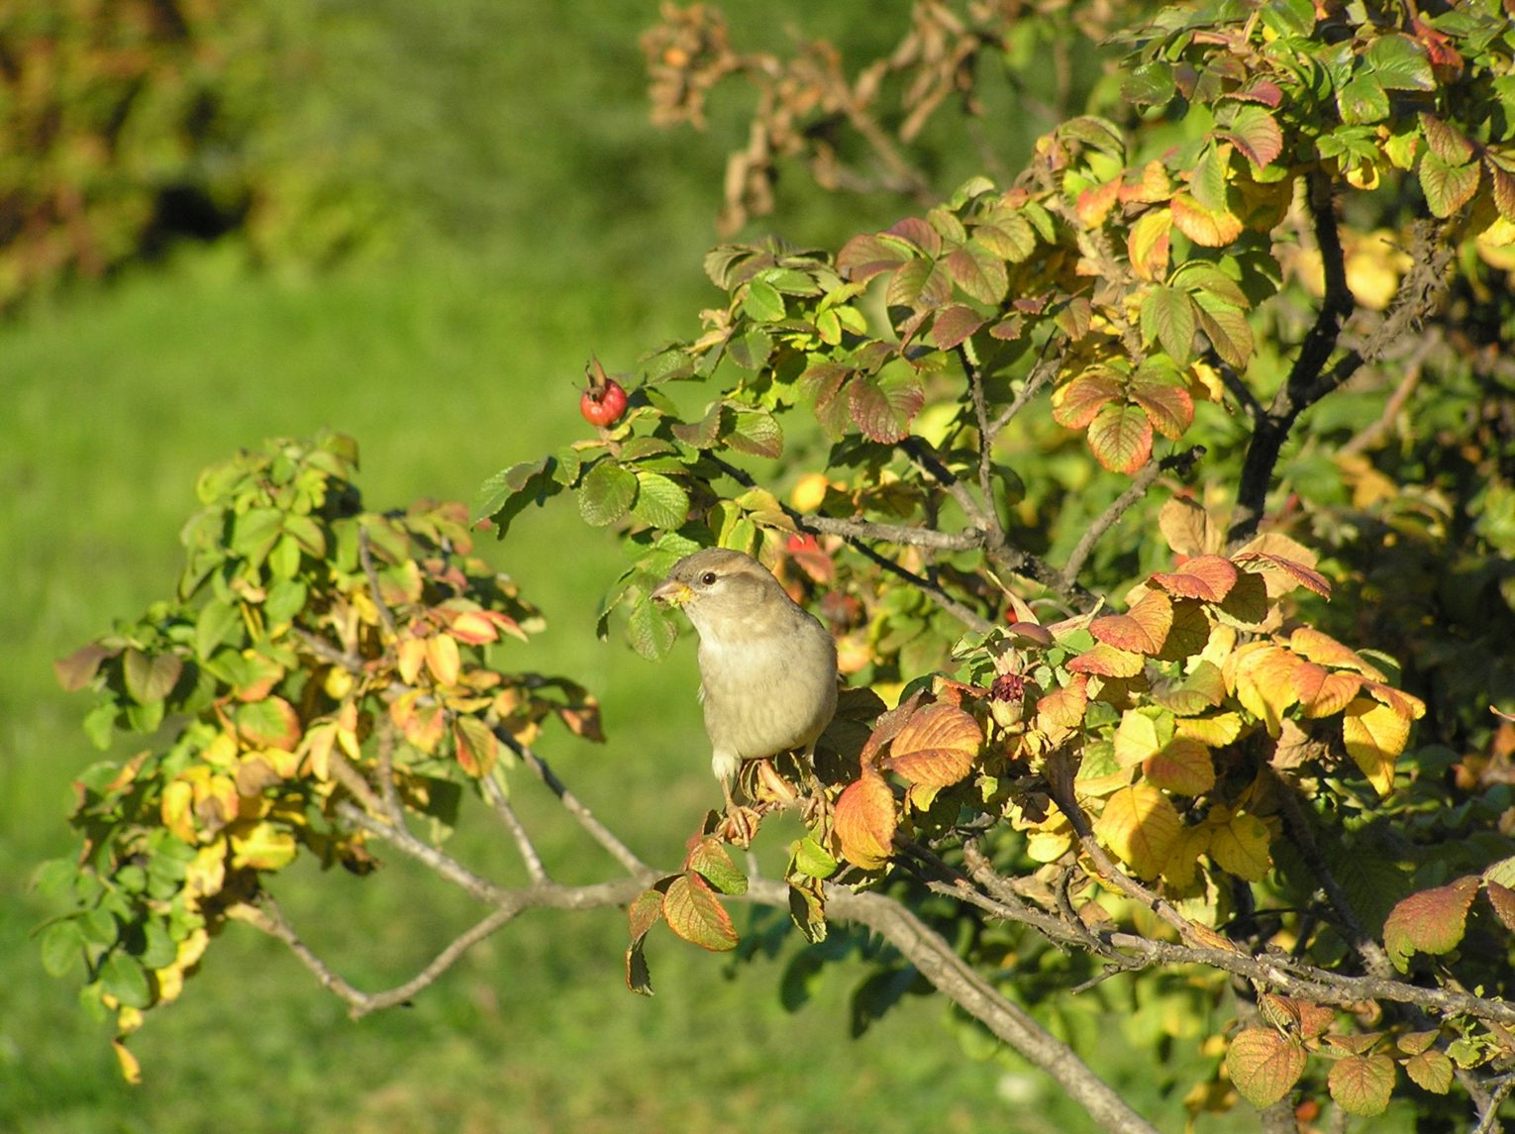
1239 844
1183 766
1213 732
1182 868
1142 733
1265 684
262 847
131 1070
206 873
1141 826
1375 735
442 659
412 656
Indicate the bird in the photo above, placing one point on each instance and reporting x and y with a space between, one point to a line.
768 676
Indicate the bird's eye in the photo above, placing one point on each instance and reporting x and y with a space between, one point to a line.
708 579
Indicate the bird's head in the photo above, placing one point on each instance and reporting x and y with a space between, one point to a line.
723 592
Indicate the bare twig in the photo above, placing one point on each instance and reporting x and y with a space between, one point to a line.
1118 508
899 534
512 823
365 557
1488 1119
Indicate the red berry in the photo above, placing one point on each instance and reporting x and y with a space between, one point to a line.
604 403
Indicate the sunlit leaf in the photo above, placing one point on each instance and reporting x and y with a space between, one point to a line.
1140 825
865 819
936 747
1375 735
1120 437
693 911
1361 1084
1264 1065
1431 921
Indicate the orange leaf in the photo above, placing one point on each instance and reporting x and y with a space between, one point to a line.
1320 647
1147 245
1264 679
475 745
1208 227
936 747
1282 575
888 726
1141 630
865 821
1207 577
1075 404
1065 707
1120 436
1321 692
1264 1065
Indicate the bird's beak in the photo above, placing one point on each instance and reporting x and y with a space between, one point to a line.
672 592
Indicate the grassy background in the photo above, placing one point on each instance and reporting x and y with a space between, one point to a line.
549 221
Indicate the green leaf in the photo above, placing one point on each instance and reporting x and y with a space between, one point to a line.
660 501
123 978
650 629
811 859
763 302
1167 316
919 284
1447 187
62 947
255 532
884 404
709 859
750 350
1209 184
1007 235
1150 84
756 432
1399 63
149 679
1264 1065
506 494
215 625
606 494
979 272
1228 331
1256 134
1362 101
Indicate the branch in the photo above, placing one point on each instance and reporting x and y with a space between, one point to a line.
1488 1121
1138 488
365 557
1419 294
902 535
512 822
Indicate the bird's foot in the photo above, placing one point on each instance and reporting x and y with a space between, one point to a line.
738 825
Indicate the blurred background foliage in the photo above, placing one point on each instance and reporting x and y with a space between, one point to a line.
224 221
221 221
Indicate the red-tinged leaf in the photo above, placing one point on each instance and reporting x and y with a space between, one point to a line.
865 820
884 404
936 747
1406 705
709 859
693 911
1304 1017
953 324
979 272
1065 707
1168 318
1274 567
1362 1084
645 911
1207 227
1375 735
1445 141
1264 678
1075 317
473 628
1120 437
1183 766
1141 827
1142 630
1503 183
1147 245
1264 1065
1167 405
149 679
1208 578
1256 134
1323 693
1502 900
1432 921
1320 647
475 745
79 668
1447 187
919 284
1430 1071
866 256
1094 204
1105 660
919 233
1075 404
888 726
269 723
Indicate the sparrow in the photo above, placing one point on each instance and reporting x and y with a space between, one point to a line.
768 673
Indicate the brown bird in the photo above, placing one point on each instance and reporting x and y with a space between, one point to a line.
767 667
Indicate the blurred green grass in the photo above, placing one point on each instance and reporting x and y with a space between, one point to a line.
554 222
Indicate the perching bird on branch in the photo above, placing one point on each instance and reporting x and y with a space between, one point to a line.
767 667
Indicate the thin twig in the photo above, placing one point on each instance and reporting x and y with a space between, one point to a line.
1120 505
365 557
900 534
495 795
